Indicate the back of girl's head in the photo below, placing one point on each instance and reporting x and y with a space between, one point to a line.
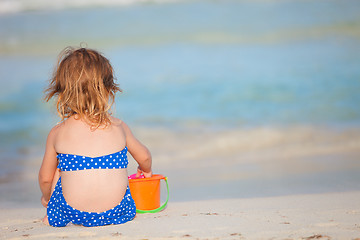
84 84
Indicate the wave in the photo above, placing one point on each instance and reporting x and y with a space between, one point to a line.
16 6
154 23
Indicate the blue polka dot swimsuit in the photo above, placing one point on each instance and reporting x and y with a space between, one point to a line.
70 162
60 213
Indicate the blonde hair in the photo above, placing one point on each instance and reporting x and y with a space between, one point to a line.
83 82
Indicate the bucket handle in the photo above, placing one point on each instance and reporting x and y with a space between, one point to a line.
162 206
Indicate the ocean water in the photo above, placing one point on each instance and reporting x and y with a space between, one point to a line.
205 64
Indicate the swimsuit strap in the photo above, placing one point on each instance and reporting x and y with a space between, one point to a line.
73 162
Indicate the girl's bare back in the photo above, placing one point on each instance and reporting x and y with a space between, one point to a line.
92 190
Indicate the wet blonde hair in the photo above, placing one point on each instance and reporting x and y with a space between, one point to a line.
84 84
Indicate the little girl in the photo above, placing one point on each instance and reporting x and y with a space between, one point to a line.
83 177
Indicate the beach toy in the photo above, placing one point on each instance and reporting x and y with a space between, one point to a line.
146 193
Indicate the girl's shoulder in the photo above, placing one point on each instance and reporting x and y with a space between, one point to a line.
120 124
59 128
116 122
54 132
55 129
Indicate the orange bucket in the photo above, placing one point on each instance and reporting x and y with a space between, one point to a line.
146 193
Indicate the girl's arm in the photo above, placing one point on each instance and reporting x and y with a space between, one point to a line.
48 166
139 152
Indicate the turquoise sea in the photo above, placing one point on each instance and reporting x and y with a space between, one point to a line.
214 64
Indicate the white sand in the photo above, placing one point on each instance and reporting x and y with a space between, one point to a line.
318 216
228 167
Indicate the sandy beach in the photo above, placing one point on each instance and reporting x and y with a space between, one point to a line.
318 216
281 183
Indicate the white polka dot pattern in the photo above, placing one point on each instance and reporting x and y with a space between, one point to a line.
60 213
71 162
